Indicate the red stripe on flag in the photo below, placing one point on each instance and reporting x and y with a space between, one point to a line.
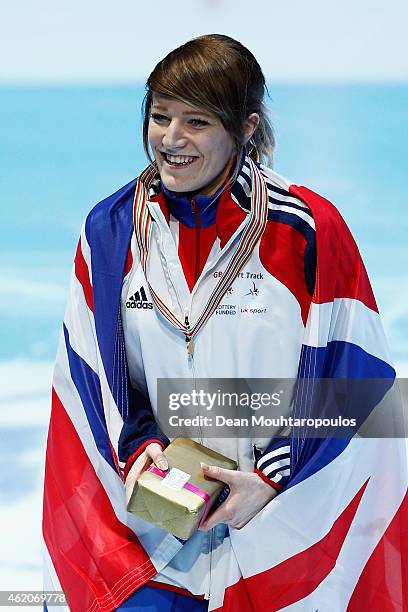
82 274
340 269
237 599
99 560
129 262
281 244
383 584
116 460
298 576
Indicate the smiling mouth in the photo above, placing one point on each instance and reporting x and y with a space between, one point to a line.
178 161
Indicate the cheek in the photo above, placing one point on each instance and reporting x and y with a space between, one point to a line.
153 135
219 151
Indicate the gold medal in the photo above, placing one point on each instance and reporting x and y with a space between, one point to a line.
190 346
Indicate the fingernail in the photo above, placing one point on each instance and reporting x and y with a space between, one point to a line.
204 466
162 465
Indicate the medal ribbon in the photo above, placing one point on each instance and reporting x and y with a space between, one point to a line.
249 238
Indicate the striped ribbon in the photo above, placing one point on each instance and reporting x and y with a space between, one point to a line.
251 235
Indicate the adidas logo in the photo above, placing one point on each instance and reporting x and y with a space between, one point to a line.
139 300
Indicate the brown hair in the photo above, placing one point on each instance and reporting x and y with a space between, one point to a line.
219 74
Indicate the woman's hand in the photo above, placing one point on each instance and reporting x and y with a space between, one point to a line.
248 495
152 453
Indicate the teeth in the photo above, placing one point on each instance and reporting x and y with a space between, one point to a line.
178 159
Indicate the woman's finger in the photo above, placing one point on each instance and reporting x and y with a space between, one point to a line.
219 473
154 451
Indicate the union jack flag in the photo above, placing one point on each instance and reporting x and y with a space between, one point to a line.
335 539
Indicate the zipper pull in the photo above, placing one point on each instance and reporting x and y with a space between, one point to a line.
189 339
190 347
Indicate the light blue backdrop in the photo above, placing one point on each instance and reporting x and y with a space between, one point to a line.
63 148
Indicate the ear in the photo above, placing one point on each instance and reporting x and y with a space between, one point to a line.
250 125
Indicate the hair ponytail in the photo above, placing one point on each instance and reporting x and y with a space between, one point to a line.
262 143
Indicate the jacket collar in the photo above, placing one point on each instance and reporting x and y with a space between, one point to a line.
227 208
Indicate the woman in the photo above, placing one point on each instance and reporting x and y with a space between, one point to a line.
204 230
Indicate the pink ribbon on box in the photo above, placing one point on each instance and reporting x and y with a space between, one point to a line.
190 487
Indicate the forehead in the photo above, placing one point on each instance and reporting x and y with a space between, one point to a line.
168 104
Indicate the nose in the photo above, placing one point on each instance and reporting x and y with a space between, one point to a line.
174 137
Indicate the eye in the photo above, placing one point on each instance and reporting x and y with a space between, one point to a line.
199 122
159 118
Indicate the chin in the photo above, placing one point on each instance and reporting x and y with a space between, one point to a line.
180 186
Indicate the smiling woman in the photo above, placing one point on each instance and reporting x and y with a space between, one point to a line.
189 145
198 106
207 229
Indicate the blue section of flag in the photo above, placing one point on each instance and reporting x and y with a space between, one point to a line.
88 386
341 359
363 380
108 229
155 599
315 455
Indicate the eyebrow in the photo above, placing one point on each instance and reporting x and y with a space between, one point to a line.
158 106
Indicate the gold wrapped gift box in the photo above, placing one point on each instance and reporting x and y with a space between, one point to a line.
168 501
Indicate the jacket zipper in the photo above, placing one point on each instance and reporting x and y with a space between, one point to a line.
190 357
196 210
